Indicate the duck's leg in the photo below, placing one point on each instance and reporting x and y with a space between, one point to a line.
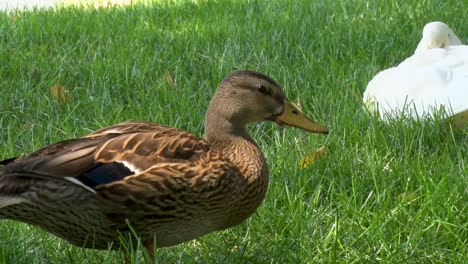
150 248
126 258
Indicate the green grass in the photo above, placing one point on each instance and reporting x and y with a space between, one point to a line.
392 192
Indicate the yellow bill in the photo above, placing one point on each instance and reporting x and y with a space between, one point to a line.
292 116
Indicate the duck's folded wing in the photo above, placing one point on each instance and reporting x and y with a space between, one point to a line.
128 128
109 154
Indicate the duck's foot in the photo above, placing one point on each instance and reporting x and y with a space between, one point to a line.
150 248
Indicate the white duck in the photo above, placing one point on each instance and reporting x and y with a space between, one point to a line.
435 76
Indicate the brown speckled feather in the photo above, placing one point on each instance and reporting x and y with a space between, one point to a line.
175 177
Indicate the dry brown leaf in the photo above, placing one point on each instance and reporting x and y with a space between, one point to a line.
312 158
299 104
169 79
60 93
407 197
28 125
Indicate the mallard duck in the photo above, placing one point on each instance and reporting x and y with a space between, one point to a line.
166 184
435 76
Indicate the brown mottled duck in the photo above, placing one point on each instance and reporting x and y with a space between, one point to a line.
168 185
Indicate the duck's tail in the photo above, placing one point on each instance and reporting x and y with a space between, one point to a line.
6 201
6 197
6 161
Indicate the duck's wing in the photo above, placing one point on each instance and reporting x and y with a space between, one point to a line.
137 172
107 155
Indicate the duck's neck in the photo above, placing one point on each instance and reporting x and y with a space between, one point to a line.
219 128
233 141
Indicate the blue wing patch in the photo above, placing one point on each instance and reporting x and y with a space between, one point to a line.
104 173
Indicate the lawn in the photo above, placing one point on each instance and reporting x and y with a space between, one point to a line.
390 193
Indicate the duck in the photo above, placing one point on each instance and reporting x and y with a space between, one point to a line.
434 78
166 185
437 34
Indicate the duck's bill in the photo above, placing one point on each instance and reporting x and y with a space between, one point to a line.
292 116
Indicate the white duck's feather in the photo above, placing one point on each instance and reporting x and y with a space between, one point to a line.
430 79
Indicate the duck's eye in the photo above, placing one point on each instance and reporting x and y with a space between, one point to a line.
261 88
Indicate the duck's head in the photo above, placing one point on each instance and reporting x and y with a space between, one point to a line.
247 96
437 35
